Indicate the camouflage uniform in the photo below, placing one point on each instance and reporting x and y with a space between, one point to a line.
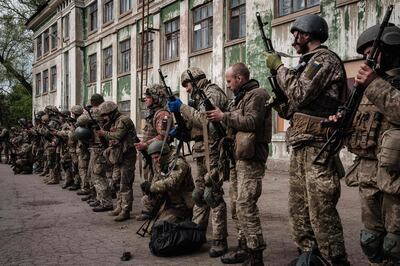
65 153
314 190
4 144
379 188
23 162
121 154
196 119
176 187
249 122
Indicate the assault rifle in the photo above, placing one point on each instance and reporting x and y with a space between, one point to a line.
219 128
183 132
96 126
153 216
280 100
349 110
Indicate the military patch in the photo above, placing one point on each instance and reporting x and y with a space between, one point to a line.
312 69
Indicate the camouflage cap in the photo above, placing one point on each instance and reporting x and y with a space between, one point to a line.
83 120
50 109
157 92
107 107
77 110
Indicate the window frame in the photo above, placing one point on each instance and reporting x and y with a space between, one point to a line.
45 84
174 36
93 16
46 42
149 49
230 10
121 12
209 20
107 61
38 79
53 78
92 78
124 56
54 36
291 12
39 46
106 4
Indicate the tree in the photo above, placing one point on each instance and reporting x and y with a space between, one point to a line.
14 105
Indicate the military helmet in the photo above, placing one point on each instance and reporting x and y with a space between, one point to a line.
82 133
39 114
50 109
157 92
83 120
22 121
390 36
77 110
107 108
197 73
65 112
157 146
312 24
96 99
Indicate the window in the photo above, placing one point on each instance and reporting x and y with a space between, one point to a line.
92 68
53 78
286 7
45 81
237 14
66 26
38 83
148 46
124 56
107 62
54 36
171 46
202 27
93 16
125 5
46 41
108 12
39 46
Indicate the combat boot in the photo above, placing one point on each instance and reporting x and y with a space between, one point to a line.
255 258
67 184
116 211
74 187
53 182
45 172
218 248
123 215
94 203
102 208
240 255
83 192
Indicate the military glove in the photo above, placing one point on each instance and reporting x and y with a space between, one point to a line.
273 61
174 106
197 196
145 186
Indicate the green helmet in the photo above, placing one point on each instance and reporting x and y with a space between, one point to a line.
82 133
197 73
77 110
50 109
157 146
96 99
312 24
83 120
157 92
107 108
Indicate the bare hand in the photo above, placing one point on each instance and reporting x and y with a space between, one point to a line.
215 115
365 75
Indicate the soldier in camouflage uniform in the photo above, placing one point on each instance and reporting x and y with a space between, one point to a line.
84 136
121 154
207 162
249 123
4 144
315 91
23 161
375 139
37 144
172 183
157 121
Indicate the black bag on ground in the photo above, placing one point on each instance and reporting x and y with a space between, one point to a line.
170 239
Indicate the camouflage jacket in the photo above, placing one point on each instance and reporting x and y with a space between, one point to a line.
317 90
122 134
178 185
249 120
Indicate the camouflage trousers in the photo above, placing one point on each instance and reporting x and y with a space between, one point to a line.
201 214
53 164
125 172
66 165
98 175
245 189
75 168
83 171
314 191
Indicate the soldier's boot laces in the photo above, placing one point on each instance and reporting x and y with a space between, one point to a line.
255 258
116 211
123 215
240 255
218 248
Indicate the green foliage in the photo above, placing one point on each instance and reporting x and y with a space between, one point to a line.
15 105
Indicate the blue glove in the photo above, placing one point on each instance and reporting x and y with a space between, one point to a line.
174 106
172 133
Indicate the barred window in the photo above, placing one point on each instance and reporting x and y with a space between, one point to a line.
237 14
53 78
54 35
171 43
286 7
124 65
92 68
108 11
202 27
45 81
93 16
107 62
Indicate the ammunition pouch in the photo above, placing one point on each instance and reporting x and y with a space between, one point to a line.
245 145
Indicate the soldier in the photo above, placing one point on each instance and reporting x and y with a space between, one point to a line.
207 158
315 91
23 162
157 121
37 145
121 154
249 123
4 144
375 139
172 183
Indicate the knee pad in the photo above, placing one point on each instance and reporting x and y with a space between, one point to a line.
371 244
391 247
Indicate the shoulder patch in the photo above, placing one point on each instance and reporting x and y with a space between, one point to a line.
312 69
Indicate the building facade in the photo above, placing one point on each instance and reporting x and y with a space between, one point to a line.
115 47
